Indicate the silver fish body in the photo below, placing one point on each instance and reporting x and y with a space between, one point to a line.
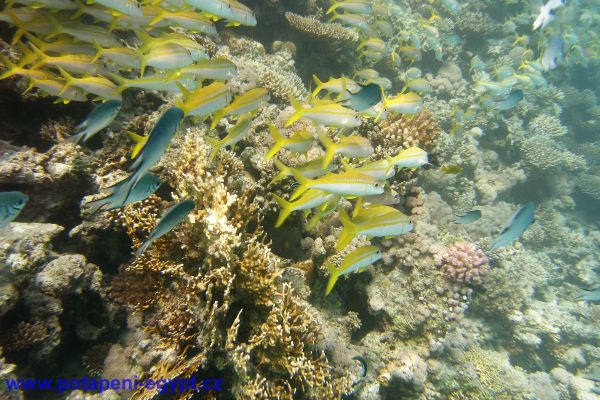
11 205
99 118
468 218
172 217
147 185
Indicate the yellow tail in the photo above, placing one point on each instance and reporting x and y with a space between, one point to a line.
302 180
349 231
140 142
216 145
284 171
298 114
279 142
330 149
216 118
333 277
286 210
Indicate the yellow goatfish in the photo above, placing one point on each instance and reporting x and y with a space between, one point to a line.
348 146
405 103
59 47
413 157
204 100
48 4
121 7
39 24
380 169
249 102
213 8
120 56
311 199
354 6
166 82
374 44
345 184
97 85
83 32
77 63
242 15
385 225
310 169
335 85
53 87
189 20
14 69
197 51
237 133
215 69
299 142
358 260
165 56
323 211
325 113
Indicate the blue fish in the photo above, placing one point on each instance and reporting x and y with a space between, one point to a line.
11 204
509 101
468 218
147 185
515 226
173 216
591 295
158 142
100 117
367 97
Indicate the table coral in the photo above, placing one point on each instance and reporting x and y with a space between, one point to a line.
322 30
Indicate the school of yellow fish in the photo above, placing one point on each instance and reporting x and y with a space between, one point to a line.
74 61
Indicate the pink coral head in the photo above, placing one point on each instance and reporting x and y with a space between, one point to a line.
465 263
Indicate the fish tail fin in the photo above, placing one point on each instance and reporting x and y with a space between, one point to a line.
362 44
319 87
358 206
216 118
284 171
333 277
330 149
302 180
335 16
314 220
33 52
99 51
161 15
286 210
143 247
22 29
298 114
332 8
348 232
57 27
216 146
11 67
279 142
69 79
94 206
140 142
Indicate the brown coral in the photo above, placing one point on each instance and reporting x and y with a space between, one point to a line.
323 30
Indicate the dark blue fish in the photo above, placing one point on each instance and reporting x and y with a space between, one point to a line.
144 188
363 364
509 101
172 217
100 117
515 226
468 217
11 205
591 295
367 97
158 141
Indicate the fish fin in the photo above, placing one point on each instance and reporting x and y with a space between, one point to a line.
76 138
348 232
42 57
144 246
186 93
314 220
99 51
68 79
121 81
332 8
11 70
335 16
284 171
358 206
279 142
333 277
94 206
286 210
216 146
19 24
217 115
161 15
298 114
140 142
330 149
302 180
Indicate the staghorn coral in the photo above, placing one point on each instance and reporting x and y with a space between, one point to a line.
401 132
322 30
465 263
547 125
542 153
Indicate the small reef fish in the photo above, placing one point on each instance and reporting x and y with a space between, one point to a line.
385 225
309 200
366 74
546 14
368 96
97 85
516 225
325 113
100 117
11 205
388 197
77 63
215 69
165 56
310 169
592 295
54 87
122 7
196 50
169 82
354 6
147 185
242 15
358 260
348 146
121 56
323 211
509 101
214 8
356 21
365 213
380 81
249 102
14 69
380 169
39 24
335 85
189 20
299 142
552 53
468 217
413 157
85 33
345 184
374 44
158 141
204 100
239 131
140 142
172 217
63 46
418 85
404 103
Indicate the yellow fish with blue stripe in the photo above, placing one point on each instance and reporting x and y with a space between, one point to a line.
249 102
358 260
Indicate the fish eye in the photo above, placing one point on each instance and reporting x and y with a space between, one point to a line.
377 184
20 202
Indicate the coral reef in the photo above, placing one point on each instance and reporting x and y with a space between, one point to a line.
465 263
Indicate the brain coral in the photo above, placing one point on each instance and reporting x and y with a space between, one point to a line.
465 263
